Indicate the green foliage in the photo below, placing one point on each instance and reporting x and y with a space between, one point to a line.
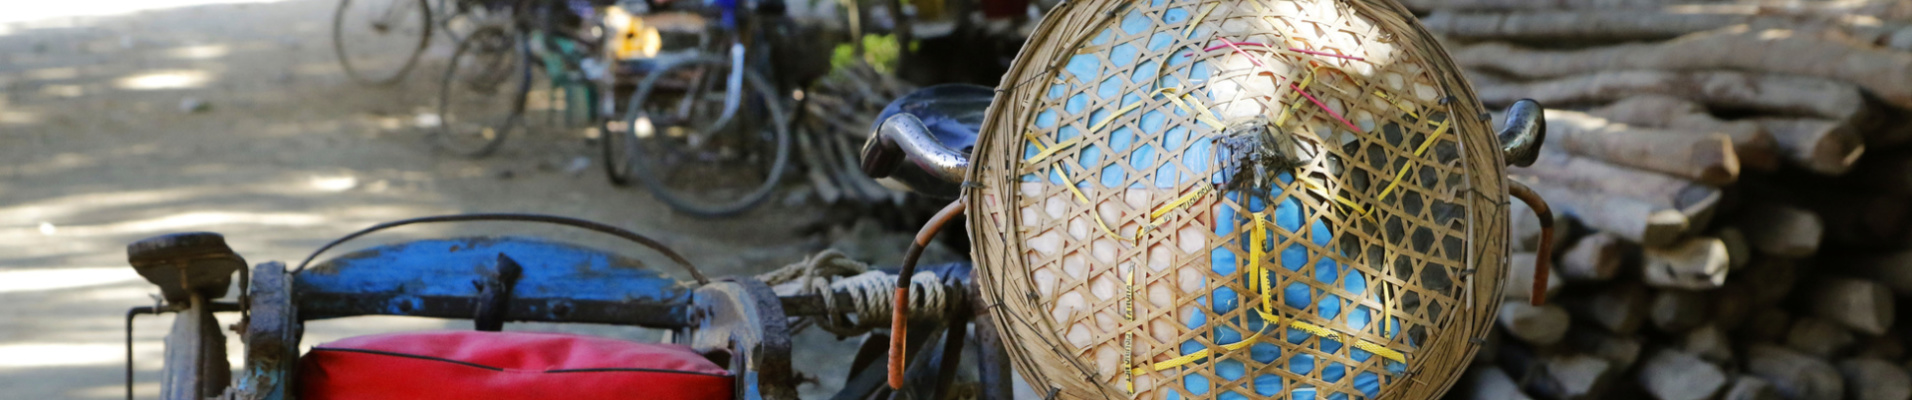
880 51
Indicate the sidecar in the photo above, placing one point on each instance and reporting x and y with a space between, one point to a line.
728 337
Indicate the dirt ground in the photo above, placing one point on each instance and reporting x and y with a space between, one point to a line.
96 152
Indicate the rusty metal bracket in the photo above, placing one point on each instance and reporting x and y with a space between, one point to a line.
494 294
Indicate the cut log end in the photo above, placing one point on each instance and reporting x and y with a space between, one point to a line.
1861 305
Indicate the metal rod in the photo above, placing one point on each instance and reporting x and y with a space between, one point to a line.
130 313
548 219
1545 250
899 317
903 137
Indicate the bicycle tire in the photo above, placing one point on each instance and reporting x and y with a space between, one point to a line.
196 365
617 163
780 121
441 137
411 60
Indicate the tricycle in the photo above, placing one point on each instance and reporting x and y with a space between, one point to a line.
1267 199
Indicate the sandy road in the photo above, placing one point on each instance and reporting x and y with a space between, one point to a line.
95 152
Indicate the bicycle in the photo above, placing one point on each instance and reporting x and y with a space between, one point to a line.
389 29
718 113
709 170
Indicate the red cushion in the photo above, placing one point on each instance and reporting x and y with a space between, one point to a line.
506 365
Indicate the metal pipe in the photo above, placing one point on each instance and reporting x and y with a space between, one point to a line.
899 315
1545 252
901 138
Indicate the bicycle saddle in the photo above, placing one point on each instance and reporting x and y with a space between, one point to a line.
940 120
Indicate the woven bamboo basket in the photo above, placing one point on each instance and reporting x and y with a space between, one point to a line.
1116 208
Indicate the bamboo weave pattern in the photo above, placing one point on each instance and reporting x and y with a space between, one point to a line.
1126 263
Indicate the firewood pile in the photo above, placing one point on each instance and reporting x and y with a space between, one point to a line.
839 112
1737 176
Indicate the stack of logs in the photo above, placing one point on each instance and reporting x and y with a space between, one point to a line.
838 113
1737 179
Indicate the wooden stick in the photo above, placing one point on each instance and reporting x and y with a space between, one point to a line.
1732 304
1697 201
1562 376
1537 325
1818 337
1597 258
1628 25
1676 311
1795 375
1490 383
1884 347
1709 342
1739 252
1637 221
1718 90
1862 305
1520 279
1892 269
1621 351
1859 220
1705 158
1824 146
1889 173
1771 279
1872 379
1677 375
1620 308
1781 230
1884 72
1425 5
1750 388
1767 325
1887 10
1756 149
1695 263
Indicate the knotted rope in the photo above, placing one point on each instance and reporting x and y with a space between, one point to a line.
830 271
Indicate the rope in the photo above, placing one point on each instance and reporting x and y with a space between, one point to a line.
830 272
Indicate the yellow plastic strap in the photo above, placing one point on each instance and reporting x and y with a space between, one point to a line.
1035 141
1045 153
1397 103
1292 103
1118 114
1382 351
1199 18
1071 185
1155 216
1098 221
1259 236
1128 338
1402 174
1387 310
1199 355
1201 114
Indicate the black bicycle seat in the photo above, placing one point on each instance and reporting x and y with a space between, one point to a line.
184 263
952 112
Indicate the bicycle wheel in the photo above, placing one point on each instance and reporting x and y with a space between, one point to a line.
720 168
196 365
378 41
482 97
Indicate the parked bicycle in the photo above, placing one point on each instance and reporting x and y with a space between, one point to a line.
704 130
378 42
